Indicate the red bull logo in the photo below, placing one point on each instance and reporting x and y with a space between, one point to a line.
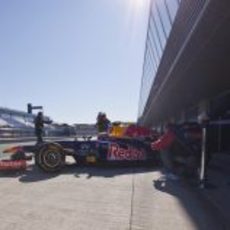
131 154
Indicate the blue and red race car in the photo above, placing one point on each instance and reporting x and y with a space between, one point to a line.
133 147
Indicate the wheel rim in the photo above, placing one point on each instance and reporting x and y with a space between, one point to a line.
52 159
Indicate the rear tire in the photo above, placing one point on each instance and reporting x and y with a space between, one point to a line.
50 157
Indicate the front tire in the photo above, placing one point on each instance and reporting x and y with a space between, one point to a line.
50 157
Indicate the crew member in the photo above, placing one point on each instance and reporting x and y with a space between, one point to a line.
103 123
163 145
39 124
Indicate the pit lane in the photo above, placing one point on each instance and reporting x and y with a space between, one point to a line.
100 198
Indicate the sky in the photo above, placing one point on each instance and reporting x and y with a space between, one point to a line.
74 57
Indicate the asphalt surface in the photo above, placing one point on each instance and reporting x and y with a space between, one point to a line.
119 198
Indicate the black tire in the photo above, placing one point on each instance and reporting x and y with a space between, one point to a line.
50 157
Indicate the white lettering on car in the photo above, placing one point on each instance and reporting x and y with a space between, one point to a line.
117 153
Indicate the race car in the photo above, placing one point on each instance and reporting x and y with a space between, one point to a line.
50 156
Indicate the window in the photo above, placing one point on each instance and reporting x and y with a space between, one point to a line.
150 45
156 37
165 17
172 7
161 19
158 28
155 47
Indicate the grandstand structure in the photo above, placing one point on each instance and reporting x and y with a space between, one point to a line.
15 123
85 129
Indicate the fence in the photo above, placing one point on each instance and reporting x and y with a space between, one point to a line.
16 132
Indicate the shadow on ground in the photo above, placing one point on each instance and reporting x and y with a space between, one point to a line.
34 174
201 212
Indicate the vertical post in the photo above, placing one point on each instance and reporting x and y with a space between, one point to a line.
219 135
203 156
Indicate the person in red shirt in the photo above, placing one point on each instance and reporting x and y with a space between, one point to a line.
163 145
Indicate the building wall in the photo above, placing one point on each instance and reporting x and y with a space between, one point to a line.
187 59
161 18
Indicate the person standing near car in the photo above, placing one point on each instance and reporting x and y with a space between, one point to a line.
103 123
164 146
39 124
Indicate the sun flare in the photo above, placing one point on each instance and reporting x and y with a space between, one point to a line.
137 11
138 3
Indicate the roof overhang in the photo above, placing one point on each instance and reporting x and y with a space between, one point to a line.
200 71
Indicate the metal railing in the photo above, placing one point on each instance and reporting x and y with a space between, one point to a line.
16 132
